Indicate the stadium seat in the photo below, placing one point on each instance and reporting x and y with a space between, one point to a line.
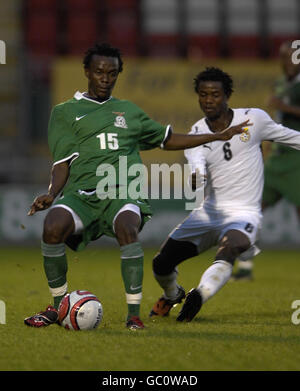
203 46
162 45
74 6
113 4
81 33
41 33
244 46
122 30
276 41
41 5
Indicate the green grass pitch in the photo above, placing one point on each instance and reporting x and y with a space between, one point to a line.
246 326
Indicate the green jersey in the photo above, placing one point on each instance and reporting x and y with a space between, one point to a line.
282 175
88 134
289 93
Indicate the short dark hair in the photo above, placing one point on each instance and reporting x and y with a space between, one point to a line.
215 74
102 49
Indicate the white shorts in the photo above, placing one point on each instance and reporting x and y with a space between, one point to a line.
205 228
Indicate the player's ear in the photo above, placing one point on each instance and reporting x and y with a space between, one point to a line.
87 72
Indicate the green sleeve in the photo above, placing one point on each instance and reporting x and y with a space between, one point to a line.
152 133
61 139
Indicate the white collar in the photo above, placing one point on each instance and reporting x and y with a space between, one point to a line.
79 95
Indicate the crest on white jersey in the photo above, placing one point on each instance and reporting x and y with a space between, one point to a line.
120 121
245 136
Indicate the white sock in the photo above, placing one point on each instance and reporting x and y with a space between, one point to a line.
134 299
60 291
214 278
246 265
168 284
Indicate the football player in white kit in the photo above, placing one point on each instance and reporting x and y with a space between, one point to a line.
230 214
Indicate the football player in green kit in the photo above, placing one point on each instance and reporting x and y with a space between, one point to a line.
282 166
93 129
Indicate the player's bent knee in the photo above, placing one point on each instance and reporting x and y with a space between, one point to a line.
127 234
126 227
172 254
52 233
161 266
232 246
57 227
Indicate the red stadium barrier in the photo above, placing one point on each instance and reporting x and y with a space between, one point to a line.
81 6
41 33
82 32
203 46
244 46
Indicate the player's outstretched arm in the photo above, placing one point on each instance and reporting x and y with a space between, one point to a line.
59 177
184 141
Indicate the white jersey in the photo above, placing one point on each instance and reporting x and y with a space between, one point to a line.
234 168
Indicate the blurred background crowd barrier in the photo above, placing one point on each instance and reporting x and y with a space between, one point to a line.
164 44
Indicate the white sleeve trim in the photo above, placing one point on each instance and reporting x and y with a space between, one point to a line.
74 156
166 135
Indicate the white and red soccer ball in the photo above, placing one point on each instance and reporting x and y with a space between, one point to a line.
80 310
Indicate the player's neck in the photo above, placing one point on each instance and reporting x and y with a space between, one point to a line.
96 98
221 122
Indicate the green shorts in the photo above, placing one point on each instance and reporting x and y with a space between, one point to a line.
97 216
282 178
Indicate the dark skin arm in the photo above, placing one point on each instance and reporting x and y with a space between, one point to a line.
60 172
185 141
59 177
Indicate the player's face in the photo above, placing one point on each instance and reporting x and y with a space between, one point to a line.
102 75
212 98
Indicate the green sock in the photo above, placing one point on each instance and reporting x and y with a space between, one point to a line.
56 301
56 267
132 268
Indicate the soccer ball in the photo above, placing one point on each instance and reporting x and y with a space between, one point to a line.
80 310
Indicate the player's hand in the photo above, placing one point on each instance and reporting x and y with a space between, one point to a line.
41 202
228 133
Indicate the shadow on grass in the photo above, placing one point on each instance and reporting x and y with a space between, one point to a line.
266 318
177 333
